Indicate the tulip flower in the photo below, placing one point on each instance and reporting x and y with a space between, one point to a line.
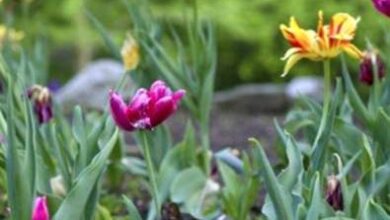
40 211
325 43
334 195
383 6
41 98
367 67
147 109
130 53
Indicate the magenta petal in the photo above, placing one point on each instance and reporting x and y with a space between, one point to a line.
40 211
382 6
178 95
159 90
163 108
140 100
118 112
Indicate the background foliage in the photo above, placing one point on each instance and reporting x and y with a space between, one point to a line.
249 41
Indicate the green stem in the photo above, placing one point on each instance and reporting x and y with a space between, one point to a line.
151 173
327 95
376 82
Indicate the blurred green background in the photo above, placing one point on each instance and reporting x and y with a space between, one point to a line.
249 41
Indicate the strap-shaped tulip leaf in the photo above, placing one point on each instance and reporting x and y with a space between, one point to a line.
319 153
282 208
133 212
356 102
291 174
105 35
374 211
74 204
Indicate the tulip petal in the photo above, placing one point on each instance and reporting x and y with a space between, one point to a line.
163 108
40 211
353 51
178 95
118 111
159 90
291 62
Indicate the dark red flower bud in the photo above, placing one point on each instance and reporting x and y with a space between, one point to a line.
170 211
371 60
41 98
334 195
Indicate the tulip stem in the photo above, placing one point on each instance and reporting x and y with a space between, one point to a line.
325 109
151 173
376 82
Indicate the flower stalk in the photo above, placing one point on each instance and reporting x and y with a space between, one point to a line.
151 172
326 103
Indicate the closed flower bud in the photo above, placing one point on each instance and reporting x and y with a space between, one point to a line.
41 98
383 6
130 53
334 195
170 211
371 60
40 211
57 186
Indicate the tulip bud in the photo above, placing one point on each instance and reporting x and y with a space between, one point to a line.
40 211
334 195
170 211
383 6
41 98
57 186
371 60
130 53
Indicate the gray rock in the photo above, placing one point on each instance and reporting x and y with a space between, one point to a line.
307 86
253 98
89 88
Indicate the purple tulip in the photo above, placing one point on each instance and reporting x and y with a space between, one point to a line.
367 68
147 109
40 211
382 6
41 98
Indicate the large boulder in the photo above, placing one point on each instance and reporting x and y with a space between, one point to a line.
89 88
252 99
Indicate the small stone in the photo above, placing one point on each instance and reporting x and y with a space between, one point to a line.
306 86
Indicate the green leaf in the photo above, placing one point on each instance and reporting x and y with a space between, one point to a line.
278 198
133 212
105 35
319 153
354 98
80 135
374 211
20 196
186 183
73 206
316 204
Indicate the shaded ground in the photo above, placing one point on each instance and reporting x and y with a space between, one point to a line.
232 129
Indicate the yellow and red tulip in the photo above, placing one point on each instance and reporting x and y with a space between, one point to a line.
328 41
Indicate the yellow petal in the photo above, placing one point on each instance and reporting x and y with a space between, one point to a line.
290 52
353 51
130 53
343 26
291 62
